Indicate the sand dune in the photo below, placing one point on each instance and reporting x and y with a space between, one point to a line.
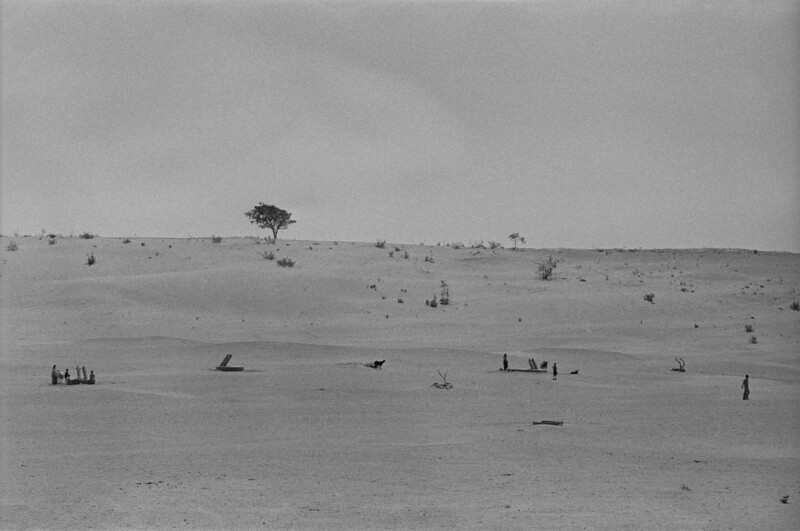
307 437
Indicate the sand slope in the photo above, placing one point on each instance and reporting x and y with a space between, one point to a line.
307 437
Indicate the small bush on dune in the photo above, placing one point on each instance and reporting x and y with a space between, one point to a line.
268 255
753 340
126 240
795 306
380 244
12 247
748 329
649 298
216 239
86 236
285 262
51 241
90 260
495 245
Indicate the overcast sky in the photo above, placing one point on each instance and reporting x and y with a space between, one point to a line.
577 124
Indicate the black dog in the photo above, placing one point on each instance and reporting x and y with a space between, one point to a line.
378 364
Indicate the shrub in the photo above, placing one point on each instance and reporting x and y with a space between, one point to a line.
285 262
380 244
429 259
86 236
268 255
457 245
51 241
546 268
52 236
753 340
649 297
400 301
795 306
216 239
12 247
495 245
433 303
391 254
748 329
126 240
477 245
90 260
405 255
444 298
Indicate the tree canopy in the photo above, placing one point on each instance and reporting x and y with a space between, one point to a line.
270 217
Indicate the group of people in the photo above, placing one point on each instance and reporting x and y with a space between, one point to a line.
56 375
533 366
745 383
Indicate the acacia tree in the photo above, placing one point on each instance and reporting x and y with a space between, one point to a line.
515 237
270 217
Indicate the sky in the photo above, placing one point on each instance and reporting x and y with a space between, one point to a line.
583 124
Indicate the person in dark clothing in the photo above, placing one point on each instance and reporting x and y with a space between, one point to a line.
54 375
66 376
505 362
555 372
746 387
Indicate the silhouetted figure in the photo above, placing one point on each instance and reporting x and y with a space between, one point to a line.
54 375
746 387
91 376
66 376
555 372
505 362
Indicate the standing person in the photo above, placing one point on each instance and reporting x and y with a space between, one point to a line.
54 375
555 372
91 376
66 377
746 387
505 362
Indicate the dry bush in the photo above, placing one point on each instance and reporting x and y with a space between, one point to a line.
216 239
748 329
795 306
547 267
268 255
285 262
445 384
86 236
90 259
380 244
649 298
12 247
753 340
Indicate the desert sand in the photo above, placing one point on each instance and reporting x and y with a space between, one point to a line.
308 437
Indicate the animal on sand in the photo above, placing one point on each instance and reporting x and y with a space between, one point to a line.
377 364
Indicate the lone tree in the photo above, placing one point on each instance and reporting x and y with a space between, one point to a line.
270 217
516 237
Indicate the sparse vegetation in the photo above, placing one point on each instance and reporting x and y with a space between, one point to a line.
126 240
547 267
649 298
445 384
495 245
433 303
270 217
216 239
429 259
12 247
51 241
90 259
285 262
795 306
748 328
753 340
268 255
380 244
86 236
